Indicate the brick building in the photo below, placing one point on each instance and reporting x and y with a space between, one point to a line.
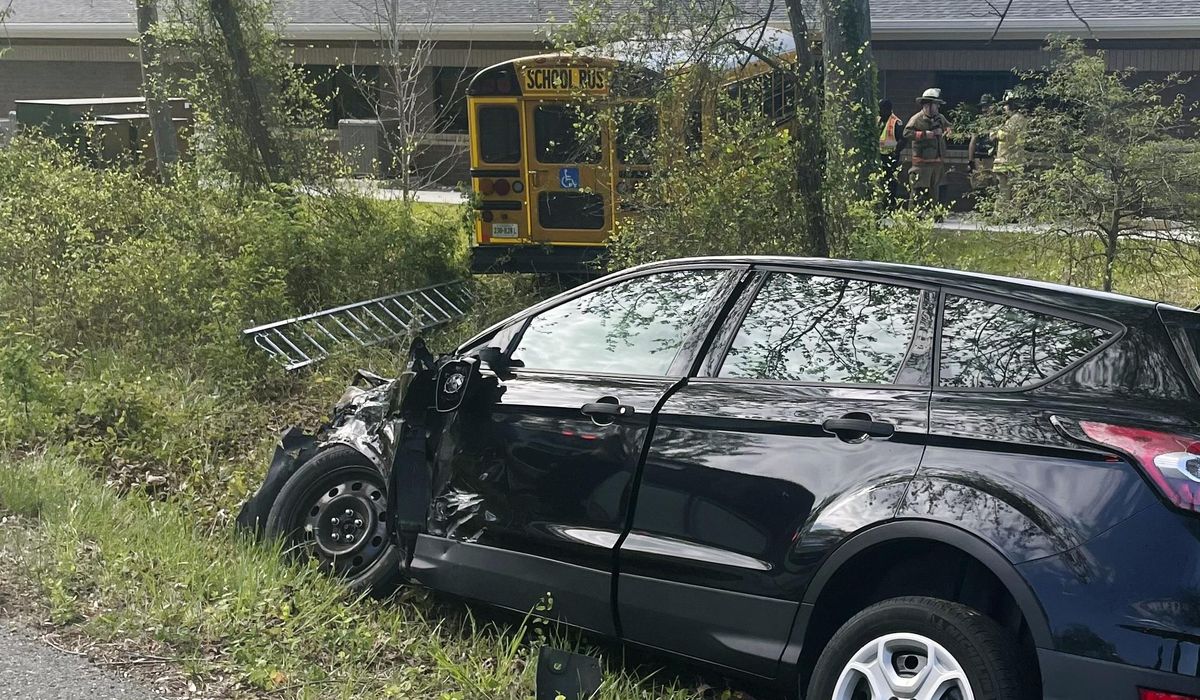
81 48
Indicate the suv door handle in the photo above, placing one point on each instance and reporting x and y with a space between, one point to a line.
854 429
607 409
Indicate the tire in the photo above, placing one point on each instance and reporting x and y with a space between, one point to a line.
339 495
976 658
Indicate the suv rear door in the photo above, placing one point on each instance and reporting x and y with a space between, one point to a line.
806 422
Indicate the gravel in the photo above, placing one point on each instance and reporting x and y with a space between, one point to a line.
32 670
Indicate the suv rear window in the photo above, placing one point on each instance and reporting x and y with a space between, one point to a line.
989 345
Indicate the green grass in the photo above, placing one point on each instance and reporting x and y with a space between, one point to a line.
133 568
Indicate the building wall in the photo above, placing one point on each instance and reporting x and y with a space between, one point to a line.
32 80
68 68
908 68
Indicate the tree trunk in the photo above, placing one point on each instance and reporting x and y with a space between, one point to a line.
1111 239
254 115
851 80
162 129
810 155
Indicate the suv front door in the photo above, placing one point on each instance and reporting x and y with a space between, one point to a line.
533 475
807 422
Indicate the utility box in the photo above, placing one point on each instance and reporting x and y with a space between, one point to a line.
58 117
105 130
364 146
105 141
7 126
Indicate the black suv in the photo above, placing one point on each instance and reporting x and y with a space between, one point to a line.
860 480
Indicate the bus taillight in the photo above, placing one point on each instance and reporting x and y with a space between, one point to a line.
500 187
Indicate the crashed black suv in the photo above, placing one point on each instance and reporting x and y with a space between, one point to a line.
860 480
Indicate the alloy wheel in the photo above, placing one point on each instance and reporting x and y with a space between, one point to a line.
903 667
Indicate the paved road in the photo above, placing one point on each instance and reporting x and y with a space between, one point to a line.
32 670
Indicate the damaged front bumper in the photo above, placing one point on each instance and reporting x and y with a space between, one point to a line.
370 417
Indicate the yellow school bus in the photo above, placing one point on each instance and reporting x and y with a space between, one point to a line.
548 189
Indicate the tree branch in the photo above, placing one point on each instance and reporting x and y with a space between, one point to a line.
1079 17
1003 14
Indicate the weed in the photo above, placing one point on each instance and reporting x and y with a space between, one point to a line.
138 568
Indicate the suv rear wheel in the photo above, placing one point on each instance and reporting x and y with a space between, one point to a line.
918 648
334 509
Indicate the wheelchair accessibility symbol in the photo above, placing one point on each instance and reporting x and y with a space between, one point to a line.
568 178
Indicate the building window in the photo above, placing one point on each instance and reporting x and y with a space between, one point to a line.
968 86
348 92
450 92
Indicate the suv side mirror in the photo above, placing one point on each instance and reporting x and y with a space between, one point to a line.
495 360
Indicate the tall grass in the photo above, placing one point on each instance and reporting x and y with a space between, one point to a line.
135 568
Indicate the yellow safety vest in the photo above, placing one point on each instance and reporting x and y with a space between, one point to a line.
887 138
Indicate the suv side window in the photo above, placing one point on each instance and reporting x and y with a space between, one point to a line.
808 328
631 327
989 345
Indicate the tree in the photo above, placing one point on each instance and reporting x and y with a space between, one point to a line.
166 150
404 98
810 147
851 81
250 90
1106 164
256 115
746 160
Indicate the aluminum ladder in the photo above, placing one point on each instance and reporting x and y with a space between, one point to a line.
305 340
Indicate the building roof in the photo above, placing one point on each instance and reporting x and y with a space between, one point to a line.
528 19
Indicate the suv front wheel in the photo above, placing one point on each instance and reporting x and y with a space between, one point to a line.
334 509
917 648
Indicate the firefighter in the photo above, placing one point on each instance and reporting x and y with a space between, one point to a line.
1009 138
927 131
891 143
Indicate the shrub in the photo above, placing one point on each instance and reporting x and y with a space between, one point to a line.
107 258
122 312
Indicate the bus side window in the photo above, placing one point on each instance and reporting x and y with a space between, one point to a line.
771 95
499 134
637 127
781 105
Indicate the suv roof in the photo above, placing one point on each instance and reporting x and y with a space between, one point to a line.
934 275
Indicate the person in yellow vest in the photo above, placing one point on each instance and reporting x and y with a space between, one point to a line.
927 130
1010 143
891 143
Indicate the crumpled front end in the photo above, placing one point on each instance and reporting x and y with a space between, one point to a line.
366 418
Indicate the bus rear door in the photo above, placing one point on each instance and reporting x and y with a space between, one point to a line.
569 173
497 165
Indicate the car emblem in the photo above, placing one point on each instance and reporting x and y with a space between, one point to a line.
454 383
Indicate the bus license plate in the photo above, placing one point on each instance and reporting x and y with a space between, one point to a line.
504 230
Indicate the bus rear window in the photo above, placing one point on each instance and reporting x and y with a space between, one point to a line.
499 134
566 134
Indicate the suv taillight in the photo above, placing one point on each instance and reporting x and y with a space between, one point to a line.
1144 694
1171 461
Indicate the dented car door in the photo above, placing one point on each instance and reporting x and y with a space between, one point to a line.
534 472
